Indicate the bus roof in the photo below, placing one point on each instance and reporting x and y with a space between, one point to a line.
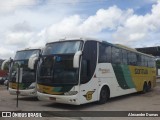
28 49
132 49
77 38
102 41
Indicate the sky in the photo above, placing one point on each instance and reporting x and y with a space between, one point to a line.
33 23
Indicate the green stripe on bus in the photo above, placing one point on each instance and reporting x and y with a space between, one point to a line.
57 89
120 76
66 88
127 76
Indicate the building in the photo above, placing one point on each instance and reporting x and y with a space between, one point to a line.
155 51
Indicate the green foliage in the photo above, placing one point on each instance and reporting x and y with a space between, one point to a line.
158 63
6 66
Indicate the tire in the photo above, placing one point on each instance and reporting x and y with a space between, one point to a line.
104 95
149 86
145 88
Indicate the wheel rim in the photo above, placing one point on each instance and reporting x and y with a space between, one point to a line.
104 94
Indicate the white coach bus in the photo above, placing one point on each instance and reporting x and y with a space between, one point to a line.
78 71
26 61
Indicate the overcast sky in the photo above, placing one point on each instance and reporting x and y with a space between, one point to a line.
33 23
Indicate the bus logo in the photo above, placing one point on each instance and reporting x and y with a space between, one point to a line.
88 95
141 71
104 71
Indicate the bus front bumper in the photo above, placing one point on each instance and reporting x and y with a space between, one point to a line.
67 99
27 92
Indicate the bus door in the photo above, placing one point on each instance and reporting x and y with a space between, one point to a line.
88 81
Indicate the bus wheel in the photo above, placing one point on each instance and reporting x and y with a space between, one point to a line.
145 88
149 86
104 95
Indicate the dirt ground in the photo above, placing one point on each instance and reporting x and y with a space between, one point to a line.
133 102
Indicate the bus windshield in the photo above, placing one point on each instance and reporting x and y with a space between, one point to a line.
26 54
65 47
21 61
56 64
58 70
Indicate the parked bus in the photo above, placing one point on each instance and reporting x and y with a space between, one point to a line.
78 71
25 61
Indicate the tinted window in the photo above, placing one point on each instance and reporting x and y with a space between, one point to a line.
124 57
26 54
132 58
139 60
116 55
146 61
65 47
104 53
151 62
89 61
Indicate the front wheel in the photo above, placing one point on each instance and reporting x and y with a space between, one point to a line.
104 95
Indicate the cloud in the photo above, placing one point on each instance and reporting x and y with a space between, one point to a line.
150 1
105 19
137 28
18 38
22 27
124 26
35 28
63 2
11 5
4 52
74 25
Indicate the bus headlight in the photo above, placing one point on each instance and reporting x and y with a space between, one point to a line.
71 93
32 86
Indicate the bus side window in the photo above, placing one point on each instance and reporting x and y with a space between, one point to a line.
116 55
132 58
84 71
124 57
139 63
153 62
104 53
143 61
146 61
89 60
108 52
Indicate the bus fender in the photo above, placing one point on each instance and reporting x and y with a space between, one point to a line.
99 90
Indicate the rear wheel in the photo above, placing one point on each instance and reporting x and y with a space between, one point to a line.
104 95
145 88
149 86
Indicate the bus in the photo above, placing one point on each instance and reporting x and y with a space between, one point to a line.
23 72
79 71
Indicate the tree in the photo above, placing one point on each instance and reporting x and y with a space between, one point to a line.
158 63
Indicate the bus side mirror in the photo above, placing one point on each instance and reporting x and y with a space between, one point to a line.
4 64
31 62
76 59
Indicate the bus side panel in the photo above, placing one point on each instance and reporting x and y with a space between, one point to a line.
142 74
113 76
88 91
123 76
